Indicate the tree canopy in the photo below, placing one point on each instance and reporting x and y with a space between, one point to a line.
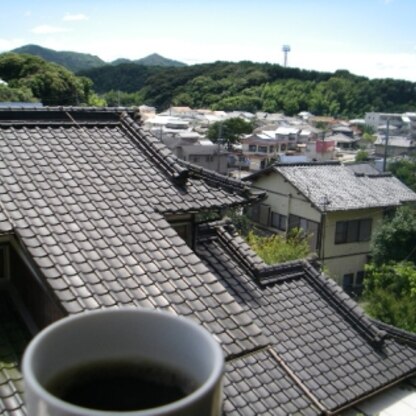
395 240
390 281
257 87
405 170
48 82
390 294
229 130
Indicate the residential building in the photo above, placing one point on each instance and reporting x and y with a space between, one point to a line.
186 143
338 206
97 213
396 145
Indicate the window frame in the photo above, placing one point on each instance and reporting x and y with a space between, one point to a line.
353 231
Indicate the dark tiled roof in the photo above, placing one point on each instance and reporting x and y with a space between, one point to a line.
86 192
317 332
87 201
13 339
345 189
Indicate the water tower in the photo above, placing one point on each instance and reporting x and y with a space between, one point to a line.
286 50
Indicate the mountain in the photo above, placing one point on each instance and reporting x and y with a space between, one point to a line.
74 61
157 60
151 60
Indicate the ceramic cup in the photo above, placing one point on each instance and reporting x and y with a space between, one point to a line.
125 334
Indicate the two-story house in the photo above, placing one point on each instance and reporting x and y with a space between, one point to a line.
339 207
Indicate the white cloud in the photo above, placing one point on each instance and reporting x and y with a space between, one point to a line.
46 29
73 17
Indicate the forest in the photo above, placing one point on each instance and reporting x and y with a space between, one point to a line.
243 86
249 86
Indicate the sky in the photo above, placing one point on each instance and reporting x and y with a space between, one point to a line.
373 38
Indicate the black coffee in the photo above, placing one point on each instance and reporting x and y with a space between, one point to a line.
120 386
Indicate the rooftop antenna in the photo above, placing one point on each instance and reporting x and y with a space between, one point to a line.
286 50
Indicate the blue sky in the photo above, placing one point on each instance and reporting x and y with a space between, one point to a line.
375 38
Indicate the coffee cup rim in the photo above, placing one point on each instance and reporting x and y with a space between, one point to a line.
214 376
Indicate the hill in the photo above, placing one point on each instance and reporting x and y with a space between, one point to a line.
250 86
150 60
74 61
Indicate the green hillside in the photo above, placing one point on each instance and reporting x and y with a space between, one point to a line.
74 61
253 87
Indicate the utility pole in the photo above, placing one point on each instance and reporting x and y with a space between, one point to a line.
386 145
324 201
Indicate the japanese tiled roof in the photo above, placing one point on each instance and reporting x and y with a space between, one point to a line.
345 189
323 352
85 194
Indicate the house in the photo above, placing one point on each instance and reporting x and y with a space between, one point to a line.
396 145
338 206
186 143
96 213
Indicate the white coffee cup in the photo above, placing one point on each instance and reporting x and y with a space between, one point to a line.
127 334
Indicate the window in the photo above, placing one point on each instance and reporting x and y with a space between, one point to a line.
348 282
260 213
262 149
353 231
271 149
279 221
353 286
252 148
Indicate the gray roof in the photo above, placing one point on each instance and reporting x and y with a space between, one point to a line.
345 189
85 195
320 340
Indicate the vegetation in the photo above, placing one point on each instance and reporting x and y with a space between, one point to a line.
405 170
395 240
74 61
230 130
278 248
16 94
390 282
390 293
257 87
31 77
361 156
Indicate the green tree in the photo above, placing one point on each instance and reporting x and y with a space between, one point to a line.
395 240
231 129
390 293
278 248
361 156
51 83
405 170
16 94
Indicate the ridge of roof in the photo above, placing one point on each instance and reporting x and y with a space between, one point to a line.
41 116
346 306
155 149
398 334
219 180
266 275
